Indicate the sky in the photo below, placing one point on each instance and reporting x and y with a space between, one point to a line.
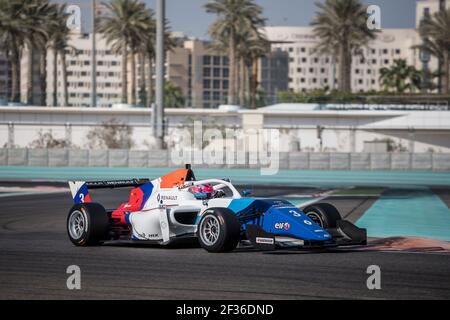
190 17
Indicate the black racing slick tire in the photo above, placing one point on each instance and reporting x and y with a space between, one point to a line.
87 224
324 214
219 230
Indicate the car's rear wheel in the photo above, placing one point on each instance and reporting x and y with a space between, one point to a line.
323 214
219 230
87 224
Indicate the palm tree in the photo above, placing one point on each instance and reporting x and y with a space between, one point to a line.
42 15
436 32
125 28
59 43
341 26
147 52
400 77
15 26
256 48
173 96
233 16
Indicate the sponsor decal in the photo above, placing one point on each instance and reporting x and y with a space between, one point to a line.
265 240
169 198
283 226
309 223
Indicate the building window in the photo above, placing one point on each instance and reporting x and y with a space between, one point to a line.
206 84
304 60
226 61
357 71
216 84
397 51
316 60
311 70
325 80
207 95
322 70
303 50
302 80
217 72
207 72
216 60
226 84
207 60
385 51
314 80
299 70
226 72
216 95
374 61
386 61
360 81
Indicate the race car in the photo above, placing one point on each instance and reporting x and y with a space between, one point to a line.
212 212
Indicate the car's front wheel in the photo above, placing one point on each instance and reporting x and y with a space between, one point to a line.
323 214
219 230
87 224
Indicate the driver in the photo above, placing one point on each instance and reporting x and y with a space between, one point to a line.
207 191
204 191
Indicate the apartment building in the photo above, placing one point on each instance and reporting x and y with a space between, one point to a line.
5 79
308 70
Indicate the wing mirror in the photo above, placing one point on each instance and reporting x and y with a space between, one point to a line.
246 193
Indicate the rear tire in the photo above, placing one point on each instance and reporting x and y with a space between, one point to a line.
87 224
324 214
219 230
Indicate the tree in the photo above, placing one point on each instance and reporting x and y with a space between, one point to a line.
46 140
341 26
59 43
42 15
400 77
435 31
233 16
147 53
112 134
173 95
15 26
126 28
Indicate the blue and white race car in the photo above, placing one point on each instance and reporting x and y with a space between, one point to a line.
177 206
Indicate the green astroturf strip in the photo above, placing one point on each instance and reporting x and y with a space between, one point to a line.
418 213
240 176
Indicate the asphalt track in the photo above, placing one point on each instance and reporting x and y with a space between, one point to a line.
35 252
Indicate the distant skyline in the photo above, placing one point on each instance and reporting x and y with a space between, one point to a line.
189 16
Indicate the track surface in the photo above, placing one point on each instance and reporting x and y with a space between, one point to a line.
35 252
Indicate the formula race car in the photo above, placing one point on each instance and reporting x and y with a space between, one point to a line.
177 206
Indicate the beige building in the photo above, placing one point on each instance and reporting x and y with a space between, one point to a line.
309 71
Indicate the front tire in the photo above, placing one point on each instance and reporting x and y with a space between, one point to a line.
219 230
87 224
323 214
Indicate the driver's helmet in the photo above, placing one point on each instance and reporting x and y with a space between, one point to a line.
206 189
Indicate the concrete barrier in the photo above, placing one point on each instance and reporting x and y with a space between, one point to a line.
422 162
360 161
164 159
380 161
319 161
158 159
58 158
17 157
299 161
138 159
340 161
3 157
78 158
118 158
98 158
441 162
401 161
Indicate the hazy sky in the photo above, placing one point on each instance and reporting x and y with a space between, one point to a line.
190 17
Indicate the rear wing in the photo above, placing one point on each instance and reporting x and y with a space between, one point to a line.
80 189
